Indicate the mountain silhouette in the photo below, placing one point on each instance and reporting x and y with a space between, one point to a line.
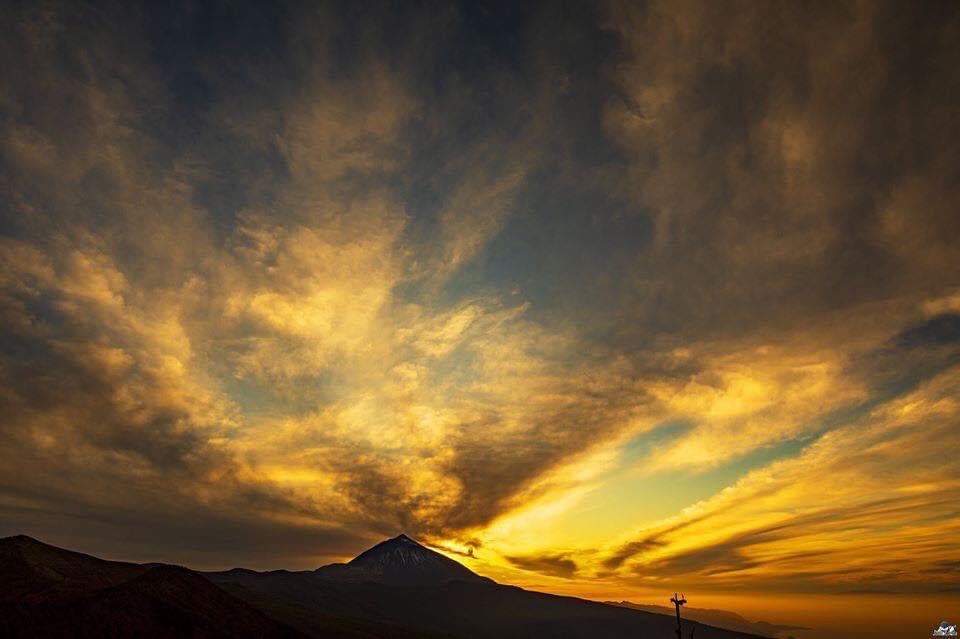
402 584
398 589
50 592
402 561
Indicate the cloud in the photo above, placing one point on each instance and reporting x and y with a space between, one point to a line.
320 281
267 352
748 154
559 565
865 523
940 329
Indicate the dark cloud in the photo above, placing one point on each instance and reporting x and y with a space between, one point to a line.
467 553
630 550
558 565
780 179
147 527
942 329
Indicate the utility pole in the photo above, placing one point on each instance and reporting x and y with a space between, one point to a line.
677 602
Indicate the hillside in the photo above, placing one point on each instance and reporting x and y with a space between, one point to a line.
398 589
50 592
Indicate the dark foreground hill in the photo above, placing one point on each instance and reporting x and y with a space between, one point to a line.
398 589
51 592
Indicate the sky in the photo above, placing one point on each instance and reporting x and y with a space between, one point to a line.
609 299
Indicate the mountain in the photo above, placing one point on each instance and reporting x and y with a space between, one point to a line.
50 592
398 589
402 584
402 561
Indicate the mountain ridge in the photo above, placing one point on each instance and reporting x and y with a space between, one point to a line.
46 591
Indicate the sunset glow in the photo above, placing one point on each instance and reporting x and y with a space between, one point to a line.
614 300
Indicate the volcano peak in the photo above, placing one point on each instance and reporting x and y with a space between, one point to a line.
402 560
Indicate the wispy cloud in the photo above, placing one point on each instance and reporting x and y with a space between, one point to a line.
552 564
868 506
314 281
